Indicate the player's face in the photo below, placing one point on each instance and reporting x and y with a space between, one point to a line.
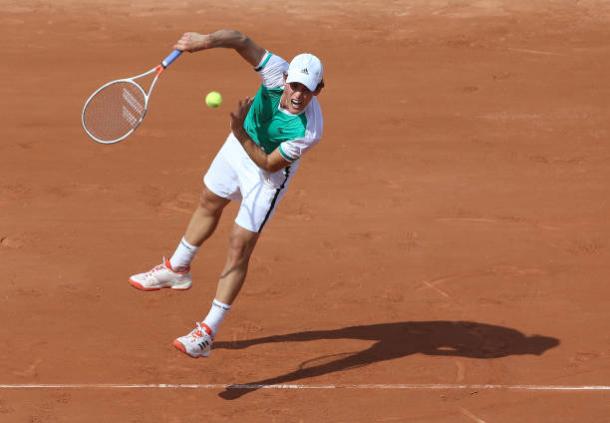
296 97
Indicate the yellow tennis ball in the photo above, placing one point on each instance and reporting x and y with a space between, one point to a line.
213 99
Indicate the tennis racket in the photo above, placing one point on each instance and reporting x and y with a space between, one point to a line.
117 108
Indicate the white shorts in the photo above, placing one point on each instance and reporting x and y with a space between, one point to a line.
234 176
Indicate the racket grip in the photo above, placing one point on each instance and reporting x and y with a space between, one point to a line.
170 58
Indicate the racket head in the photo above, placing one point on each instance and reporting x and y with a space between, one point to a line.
114 111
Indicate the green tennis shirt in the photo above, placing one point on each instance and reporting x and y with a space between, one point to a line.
272 127
268 125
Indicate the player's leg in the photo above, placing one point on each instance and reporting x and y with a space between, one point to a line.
175 272
260 193
198 343
220 186
205 218
241 246
202 225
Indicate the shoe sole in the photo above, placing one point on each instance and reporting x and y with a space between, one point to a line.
181 348
141 287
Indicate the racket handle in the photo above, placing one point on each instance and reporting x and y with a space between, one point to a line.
170 58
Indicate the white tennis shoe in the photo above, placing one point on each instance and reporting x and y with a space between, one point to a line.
198 343
162 276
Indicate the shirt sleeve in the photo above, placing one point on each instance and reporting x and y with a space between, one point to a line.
271 69
293 150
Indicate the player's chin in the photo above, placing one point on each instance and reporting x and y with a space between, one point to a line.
295 107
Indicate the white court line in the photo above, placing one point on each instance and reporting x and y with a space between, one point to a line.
413 387
545 53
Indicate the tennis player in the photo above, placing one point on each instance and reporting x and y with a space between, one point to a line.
269 135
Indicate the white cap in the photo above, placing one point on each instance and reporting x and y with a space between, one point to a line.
306 69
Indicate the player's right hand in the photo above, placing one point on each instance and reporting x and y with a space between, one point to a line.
192 42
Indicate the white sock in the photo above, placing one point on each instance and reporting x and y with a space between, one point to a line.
183 256
216 315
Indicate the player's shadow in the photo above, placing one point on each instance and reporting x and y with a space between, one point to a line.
396 340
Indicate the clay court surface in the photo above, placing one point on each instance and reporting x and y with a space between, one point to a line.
449 233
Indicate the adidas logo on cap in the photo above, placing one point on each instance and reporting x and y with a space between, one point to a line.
305 71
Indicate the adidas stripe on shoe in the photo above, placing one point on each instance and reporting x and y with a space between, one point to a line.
198 343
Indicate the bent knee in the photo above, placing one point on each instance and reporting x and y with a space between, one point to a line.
211 203
240 249
239 252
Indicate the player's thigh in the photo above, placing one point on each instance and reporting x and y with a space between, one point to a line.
222 177
258 208
260 201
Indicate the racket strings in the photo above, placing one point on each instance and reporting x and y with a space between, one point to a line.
114 111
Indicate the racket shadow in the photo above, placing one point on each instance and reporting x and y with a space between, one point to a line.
397 340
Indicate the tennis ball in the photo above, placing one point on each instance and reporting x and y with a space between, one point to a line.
213 99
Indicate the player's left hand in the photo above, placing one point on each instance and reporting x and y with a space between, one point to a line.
238 117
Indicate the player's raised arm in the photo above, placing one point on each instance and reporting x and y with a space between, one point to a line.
224 38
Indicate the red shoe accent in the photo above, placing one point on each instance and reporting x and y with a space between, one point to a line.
181 348
140 287
179 271
207 329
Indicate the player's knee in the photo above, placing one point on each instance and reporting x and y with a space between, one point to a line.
210 203
240 250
